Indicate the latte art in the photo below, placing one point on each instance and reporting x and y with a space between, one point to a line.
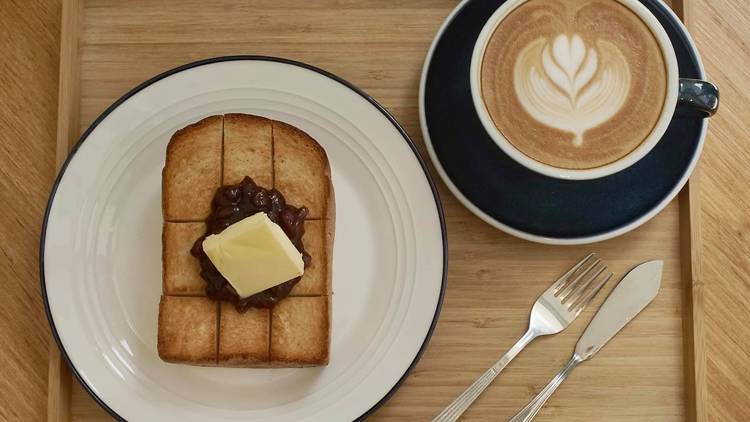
568 86
573 84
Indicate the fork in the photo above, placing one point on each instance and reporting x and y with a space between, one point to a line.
553 311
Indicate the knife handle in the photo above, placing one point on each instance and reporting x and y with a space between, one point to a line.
529 412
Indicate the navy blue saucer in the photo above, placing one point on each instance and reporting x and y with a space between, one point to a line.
520 199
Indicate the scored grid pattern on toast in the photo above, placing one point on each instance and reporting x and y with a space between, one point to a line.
299 169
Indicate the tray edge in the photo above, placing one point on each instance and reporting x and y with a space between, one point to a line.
59 376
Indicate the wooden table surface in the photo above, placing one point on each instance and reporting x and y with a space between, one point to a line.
29 36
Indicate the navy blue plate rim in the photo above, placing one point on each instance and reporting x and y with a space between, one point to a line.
682 35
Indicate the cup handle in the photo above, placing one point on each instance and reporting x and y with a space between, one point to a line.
697 98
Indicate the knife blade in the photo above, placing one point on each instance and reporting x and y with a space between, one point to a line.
636 290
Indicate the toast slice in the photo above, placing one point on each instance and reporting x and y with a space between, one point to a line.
195 330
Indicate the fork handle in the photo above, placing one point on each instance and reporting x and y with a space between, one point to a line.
529 412
462 402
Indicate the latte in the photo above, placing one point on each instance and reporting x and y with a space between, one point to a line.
574 84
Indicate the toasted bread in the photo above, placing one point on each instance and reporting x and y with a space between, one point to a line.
248 149
181 270
296 324
243 338
221 150
301 170
187 330
192 172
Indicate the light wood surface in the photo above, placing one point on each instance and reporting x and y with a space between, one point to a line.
636 377
693 297
29 40
722 32
510 293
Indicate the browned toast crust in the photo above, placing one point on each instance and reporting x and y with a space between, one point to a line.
296 324
243 338
187 330
220 150
248 149
301 170
192 172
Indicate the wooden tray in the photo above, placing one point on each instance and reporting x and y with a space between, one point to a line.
655 369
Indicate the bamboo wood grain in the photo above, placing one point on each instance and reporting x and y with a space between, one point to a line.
493 277
720 29
59 384
29 35
68 101
692 267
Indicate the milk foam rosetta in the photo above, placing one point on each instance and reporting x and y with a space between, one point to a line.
573 83
567 85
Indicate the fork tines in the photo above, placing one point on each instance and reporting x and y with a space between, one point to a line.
581 283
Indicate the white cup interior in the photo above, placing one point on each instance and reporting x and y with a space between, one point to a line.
670 101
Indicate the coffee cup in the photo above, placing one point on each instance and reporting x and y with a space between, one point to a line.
580 89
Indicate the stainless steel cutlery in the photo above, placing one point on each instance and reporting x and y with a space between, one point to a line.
631 295
553 311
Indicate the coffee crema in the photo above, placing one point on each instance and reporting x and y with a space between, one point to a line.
575 84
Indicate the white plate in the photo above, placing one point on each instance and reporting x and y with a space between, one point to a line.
101 249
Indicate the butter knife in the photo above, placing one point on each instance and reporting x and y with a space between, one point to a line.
631 295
